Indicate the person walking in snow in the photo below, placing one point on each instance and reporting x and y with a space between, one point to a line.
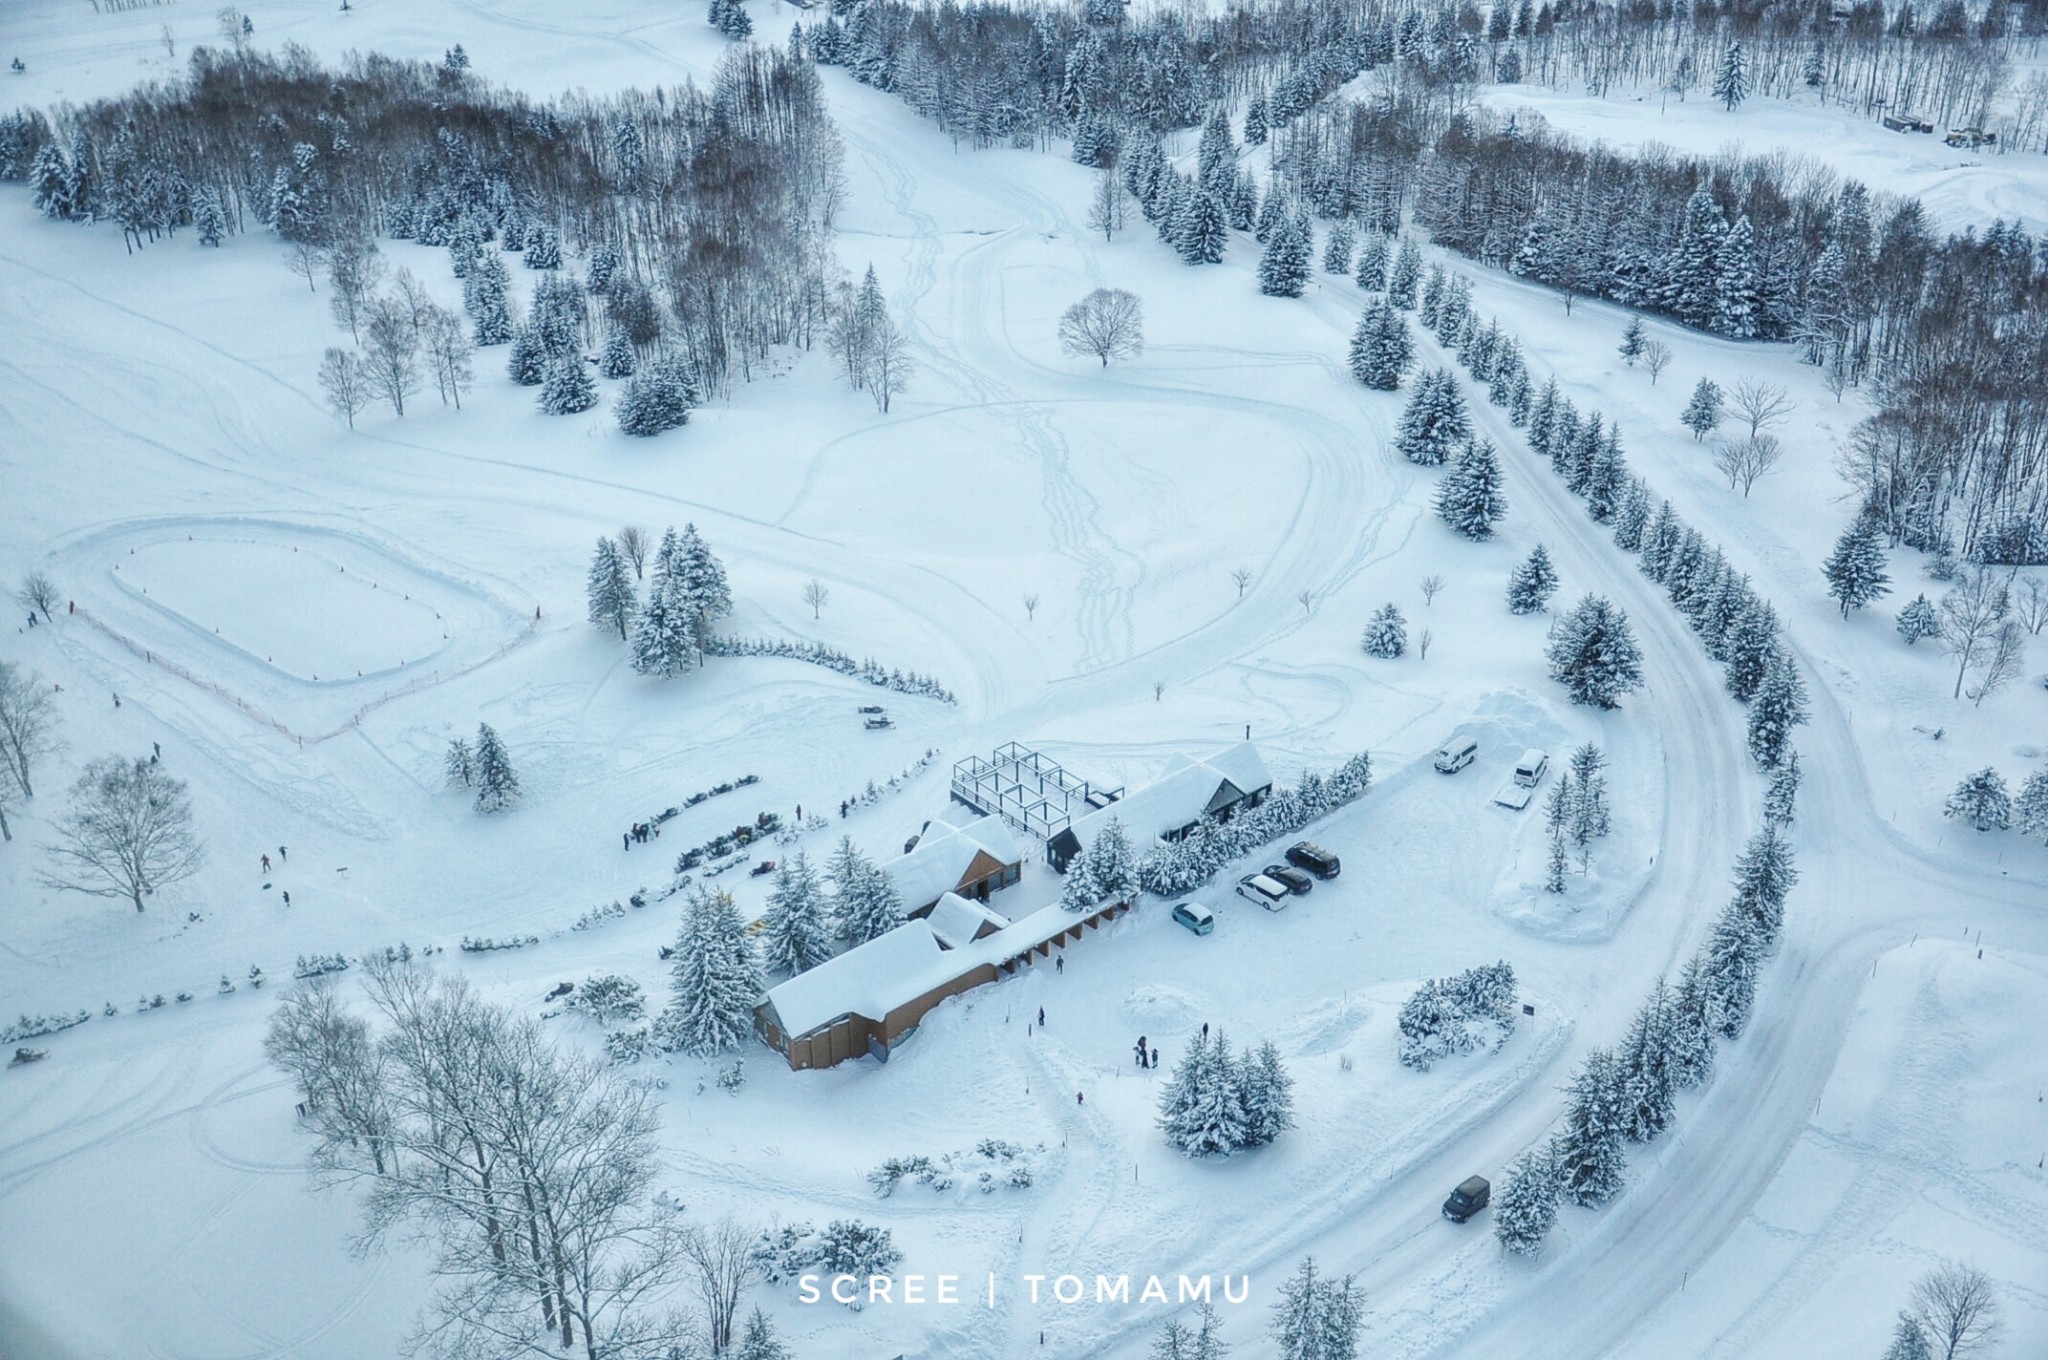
626 839
1154 1064
1041 1017
1205 1031
1059 965
31 618
266 864
156 748
1080 1099
1141 1050
281 855
287 897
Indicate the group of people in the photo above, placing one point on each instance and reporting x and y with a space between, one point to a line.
1147 1058
642 832
264 860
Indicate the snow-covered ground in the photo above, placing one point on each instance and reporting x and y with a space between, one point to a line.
167 460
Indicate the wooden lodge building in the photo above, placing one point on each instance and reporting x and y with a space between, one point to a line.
1188 790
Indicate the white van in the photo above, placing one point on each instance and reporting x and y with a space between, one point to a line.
1456 756
1262 890
1529 770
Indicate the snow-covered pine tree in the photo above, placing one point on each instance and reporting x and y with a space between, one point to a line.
1283 268
1380 348
569 388
1737 292
1752 641
1591 818
1780 705
2030 809
658 397
758 1341
1692 1025
1731 80
1317 1317
1982 801
1919 620
1592 1164
527 364
1337 249
610 589
486 295
1574 462
664 641
497 786
1402 277
1470 499
459 765
1199 230
1112 863
1429 1026
1764 878
702 583
1371 274
1909 1340
1632 516
1386 633
796 934
619 360
1632 341
1781 798
1559 862
1266 1094
1703 412
1434 424
713 981
209 218
1855 570
1532 583
1216 155
1242 206
1255 121
1201 1111
1648 1087
1733 956
543 249
1525 1206
1078 889
1593 653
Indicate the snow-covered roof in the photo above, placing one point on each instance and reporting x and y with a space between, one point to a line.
957 920
1185 791
943 855
875 978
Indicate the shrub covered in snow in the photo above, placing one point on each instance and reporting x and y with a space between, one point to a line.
818 654
1447 1016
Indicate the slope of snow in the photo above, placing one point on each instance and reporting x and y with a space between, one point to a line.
150 1186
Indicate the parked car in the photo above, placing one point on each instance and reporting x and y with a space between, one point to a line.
1312 857
1530 768
1195 917
1262 890
1290 878
1468 1199
1456 756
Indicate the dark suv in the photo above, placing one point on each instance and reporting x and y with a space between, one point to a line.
1468 1199
1289 877
1312 857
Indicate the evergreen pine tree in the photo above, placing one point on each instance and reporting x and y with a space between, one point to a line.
658 397
1593 653
701 578
758 1342
1380 347
1855 570
569 388
1703 412
1266 1094
1588 1151
1078 889
1632 341
1283 269
497 787
1470 498
610 589
664 641
1737 292
1648 1087
1317 1317
1532 583
1909 1340
1691 284
1781 798
1632 516
1255 121
1733 956
1199 232
619 360
1242 205
1216 156
1386 633
795 933
1982 801
1764 878
1591 818
865 902
714 981
1752 641
209 218
543 249
1731 81
1401 279
1919 620
1111 862
1525 1206
1780 705
486 295
1371 274
1337 249
2030 809
1692 1026
1434 423
527 364
1201 1111
459 765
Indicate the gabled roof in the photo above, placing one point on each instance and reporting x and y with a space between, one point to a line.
944 854
1186 791
958 921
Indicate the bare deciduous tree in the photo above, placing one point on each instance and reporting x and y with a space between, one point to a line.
1762 404
414 296
339 1073
1242 579
1656 358
1306 599
1836 374
1031 606
449 350
1422 641
722 1255
816 594
1431 584
2004 658
1109 323
1106 208
632 544
888 361
346 382
306 260
28 726
1969 617
354 269
38 592
127 833
1744 461
2030 603
1959 1308
391 354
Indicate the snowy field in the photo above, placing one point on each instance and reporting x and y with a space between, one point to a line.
302 616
